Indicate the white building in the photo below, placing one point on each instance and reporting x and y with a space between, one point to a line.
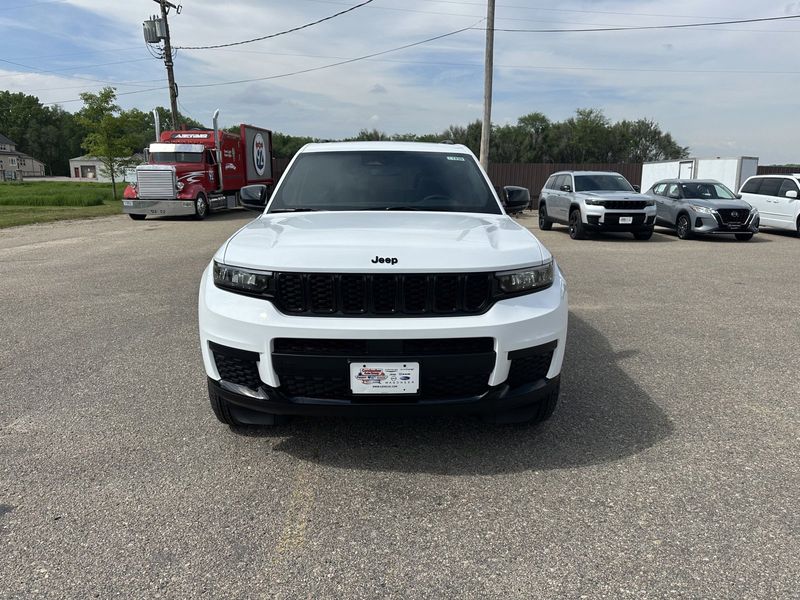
91 167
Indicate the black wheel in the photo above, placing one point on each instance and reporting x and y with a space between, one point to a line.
236 416
200 207
576 229
137 217
744 237
544 223
536 413
684 227
798 226
643 235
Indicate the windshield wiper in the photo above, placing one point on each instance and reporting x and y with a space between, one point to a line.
301 209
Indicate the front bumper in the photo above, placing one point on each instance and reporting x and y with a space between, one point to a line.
252 325
714 225
164 208
599 218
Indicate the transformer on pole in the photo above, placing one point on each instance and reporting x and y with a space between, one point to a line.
156 31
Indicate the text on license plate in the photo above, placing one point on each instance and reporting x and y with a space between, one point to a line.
625 220
384 378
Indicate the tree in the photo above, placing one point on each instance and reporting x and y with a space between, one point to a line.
109 138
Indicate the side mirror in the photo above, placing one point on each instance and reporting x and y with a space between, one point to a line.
637 188
566 188
517 198
255 197
739 196
791 194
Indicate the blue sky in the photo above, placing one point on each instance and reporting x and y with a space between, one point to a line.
724 91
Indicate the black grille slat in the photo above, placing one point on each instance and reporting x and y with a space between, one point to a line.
326 294
529 369
384 294
727 215
320 368
624 204
236 366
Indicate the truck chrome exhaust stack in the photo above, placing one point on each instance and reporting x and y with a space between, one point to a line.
218 150
157 122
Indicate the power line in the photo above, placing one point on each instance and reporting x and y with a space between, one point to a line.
650 27
273 35
118 94
34 70
336 64
119 62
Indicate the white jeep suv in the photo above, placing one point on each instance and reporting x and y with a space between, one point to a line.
382 278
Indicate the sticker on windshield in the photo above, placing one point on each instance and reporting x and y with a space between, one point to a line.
461 158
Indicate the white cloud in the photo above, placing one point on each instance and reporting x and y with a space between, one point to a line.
708 87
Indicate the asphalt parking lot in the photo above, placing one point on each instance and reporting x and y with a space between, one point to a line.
670 469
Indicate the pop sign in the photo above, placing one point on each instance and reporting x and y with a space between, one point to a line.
259 154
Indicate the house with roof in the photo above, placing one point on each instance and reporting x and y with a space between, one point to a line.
15 164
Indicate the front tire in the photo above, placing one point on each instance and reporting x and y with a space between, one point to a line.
744 237
684 227
576 228
235 416
544 223
643 235
136 217
533 415
200 207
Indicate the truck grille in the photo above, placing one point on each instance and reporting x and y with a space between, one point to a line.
320 368
624 204
324 294
156 184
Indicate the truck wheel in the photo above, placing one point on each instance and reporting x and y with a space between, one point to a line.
684 227
536 413
576 229
643 235
136 217
744 237
240 417
200 207
544 223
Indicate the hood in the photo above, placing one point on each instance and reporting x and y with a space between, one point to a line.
354 242
615 195
732 203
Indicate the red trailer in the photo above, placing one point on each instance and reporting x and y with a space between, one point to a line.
195 172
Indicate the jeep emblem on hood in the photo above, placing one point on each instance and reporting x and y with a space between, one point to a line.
389 260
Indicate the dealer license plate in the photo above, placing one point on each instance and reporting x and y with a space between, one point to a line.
384 378
625 220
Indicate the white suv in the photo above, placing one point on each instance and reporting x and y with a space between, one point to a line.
588 201
382 278
776 198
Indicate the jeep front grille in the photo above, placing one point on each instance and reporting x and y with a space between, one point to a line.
155 184
322 294
624 204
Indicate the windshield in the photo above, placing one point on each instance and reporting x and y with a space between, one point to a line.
384 180
707 191
177 157
604 183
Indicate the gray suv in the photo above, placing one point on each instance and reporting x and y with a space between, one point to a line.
703 206
588 201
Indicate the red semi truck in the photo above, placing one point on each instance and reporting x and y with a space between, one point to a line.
195 172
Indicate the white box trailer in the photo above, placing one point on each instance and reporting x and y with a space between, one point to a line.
730 171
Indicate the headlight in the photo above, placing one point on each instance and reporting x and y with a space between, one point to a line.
241 280
179 185
593 201
702 209
650 202
527 280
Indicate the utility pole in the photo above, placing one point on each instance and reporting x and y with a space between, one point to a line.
156 31
486 127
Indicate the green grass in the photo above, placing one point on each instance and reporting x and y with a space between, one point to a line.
44 201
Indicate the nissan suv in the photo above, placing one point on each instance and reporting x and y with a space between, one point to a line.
588 201
382 278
